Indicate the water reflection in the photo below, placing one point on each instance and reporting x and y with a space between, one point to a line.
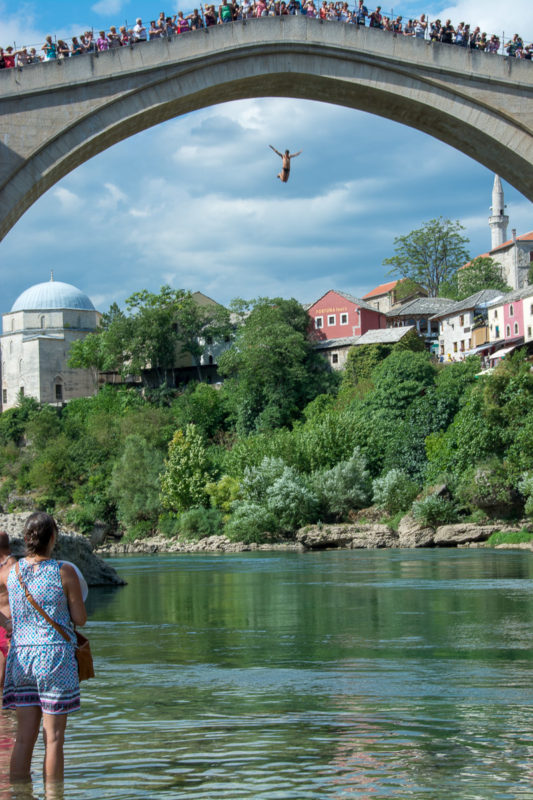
332 675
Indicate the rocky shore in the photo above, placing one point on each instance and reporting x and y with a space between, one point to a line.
352 536
71 546
86 554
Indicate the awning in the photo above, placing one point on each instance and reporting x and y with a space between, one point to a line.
503 352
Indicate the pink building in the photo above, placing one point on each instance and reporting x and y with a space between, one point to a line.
337 315
514 312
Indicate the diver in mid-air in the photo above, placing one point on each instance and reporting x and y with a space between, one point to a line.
286 163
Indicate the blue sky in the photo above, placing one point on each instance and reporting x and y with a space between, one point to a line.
195 202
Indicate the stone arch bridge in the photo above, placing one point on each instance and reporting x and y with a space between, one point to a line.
57 115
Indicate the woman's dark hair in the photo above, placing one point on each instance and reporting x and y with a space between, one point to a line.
38 530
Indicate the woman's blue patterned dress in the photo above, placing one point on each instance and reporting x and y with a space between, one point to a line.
41 668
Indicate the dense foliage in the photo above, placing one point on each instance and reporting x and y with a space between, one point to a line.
282 443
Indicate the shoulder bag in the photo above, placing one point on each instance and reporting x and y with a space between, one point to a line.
83 648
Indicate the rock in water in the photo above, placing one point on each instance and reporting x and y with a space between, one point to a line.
70 546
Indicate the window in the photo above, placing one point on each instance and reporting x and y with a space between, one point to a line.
344 319
529 332
334 358
516 328
319 322
377 306
455 347
442 349
42 322
497 332
462 345
531 309
4 395
59 391
331 319
462 319
22 391
495 313
511 311
508 330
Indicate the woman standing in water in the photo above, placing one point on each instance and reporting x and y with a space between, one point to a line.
41 679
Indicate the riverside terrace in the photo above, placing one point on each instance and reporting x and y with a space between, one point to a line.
56 116
437 32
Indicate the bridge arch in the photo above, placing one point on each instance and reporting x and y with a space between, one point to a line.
56 116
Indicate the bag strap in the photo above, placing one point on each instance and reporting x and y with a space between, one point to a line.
38 608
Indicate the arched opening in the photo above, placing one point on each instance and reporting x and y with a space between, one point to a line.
443 92
58 390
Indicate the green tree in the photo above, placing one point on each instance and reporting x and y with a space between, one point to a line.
430 255
406 288
481 273
92 352
147 339
135 482
183 483
273 369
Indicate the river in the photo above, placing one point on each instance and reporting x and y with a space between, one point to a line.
340 674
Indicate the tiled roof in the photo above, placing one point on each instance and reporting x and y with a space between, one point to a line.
381 289
355 300
384 335
422 305
475 300
526 237
377 336
329 344
516 294
349 297
481 255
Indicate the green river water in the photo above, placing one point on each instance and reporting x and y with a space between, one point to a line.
341 674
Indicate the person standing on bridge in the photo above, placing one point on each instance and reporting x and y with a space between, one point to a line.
139 32
286 163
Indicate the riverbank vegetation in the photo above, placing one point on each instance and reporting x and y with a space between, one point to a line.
282 443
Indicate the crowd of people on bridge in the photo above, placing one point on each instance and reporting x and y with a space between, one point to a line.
461 35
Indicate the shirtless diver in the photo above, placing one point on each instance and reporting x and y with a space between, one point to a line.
286 163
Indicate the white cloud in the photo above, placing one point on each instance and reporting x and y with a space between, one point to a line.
68 200
203 209
108 6
492 16
112 197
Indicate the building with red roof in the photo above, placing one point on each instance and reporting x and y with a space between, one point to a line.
337 315
514 255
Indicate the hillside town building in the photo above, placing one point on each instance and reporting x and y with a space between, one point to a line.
420 313
463 327
385 297
510 317
37 334
515 255
336 350
338 315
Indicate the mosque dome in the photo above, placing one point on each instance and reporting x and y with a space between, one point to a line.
52 295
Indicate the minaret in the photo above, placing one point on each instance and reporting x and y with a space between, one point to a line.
498 221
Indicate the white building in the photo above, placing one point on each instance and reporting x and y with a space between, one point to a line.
463 326
35 343
514 255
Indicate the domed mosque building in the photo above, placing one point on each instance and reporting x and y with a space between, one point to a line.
37 334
